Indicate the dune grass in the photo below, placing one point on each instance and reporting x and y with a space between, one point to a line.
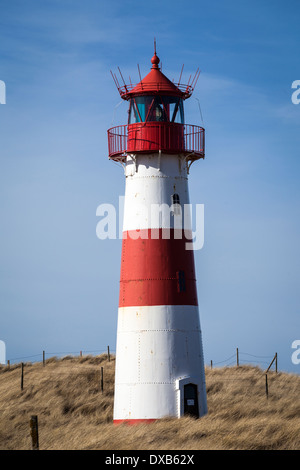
73 412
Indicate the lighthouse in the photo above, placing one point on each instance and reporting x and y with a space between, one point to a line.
159 355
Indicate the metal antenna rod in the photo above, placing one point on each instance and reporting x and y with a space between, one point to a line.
197 79
194 76
180 74
122 79
141 82
114 79
187 87
117 81
139 72
200 110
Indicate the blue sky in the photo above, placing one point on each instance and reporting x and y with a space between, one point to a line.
58 281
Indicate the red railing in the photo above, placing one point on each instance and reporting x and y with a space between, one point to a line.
117 141
159 136
194 139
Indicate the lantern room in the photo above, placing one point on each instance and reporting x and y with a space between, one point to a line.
156 118
156 108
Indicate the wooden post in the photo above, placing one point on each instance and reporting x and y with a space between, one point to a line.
80 353
267 388
108 354
44 358
34 432
102 379
8 363
274 359
237 357
211 364
22 375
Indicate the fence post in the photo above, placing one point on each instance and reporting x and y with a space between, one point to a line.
237 357
211 364
22 375
108 354
34 432
102 379
44 358
267 388
274 359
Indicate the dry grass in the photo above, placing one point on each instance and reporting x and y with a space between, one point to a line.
74 414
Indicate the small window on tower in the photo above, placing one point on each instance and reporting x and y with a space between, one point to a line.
180 281
176 204
175 199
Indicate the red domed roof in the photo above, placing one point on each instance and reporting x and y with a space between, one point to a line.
155 83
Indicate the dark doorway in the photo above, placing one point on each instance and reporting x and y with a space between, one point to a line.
191 400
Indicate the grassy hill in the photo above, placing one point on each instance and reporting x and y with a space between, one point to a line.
73 412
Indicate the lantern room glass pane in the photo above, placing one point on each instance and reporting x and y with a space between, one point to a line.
156 108
176 110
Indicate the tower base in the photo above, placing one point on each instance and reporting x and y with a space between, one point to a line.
159 364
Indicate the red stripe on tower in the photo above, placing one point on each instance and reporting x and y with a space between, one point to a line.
157 271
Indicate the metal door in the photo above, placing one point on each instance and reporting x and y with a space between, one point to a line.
191 400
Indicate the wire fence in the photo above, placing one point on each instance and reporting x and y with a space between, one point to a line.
44 355
103 357
236 359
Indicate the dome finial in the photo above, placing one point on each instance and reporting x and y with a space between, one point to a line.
155 60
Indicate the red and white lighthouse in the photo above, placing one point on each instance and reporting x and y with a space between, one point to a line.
159 356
